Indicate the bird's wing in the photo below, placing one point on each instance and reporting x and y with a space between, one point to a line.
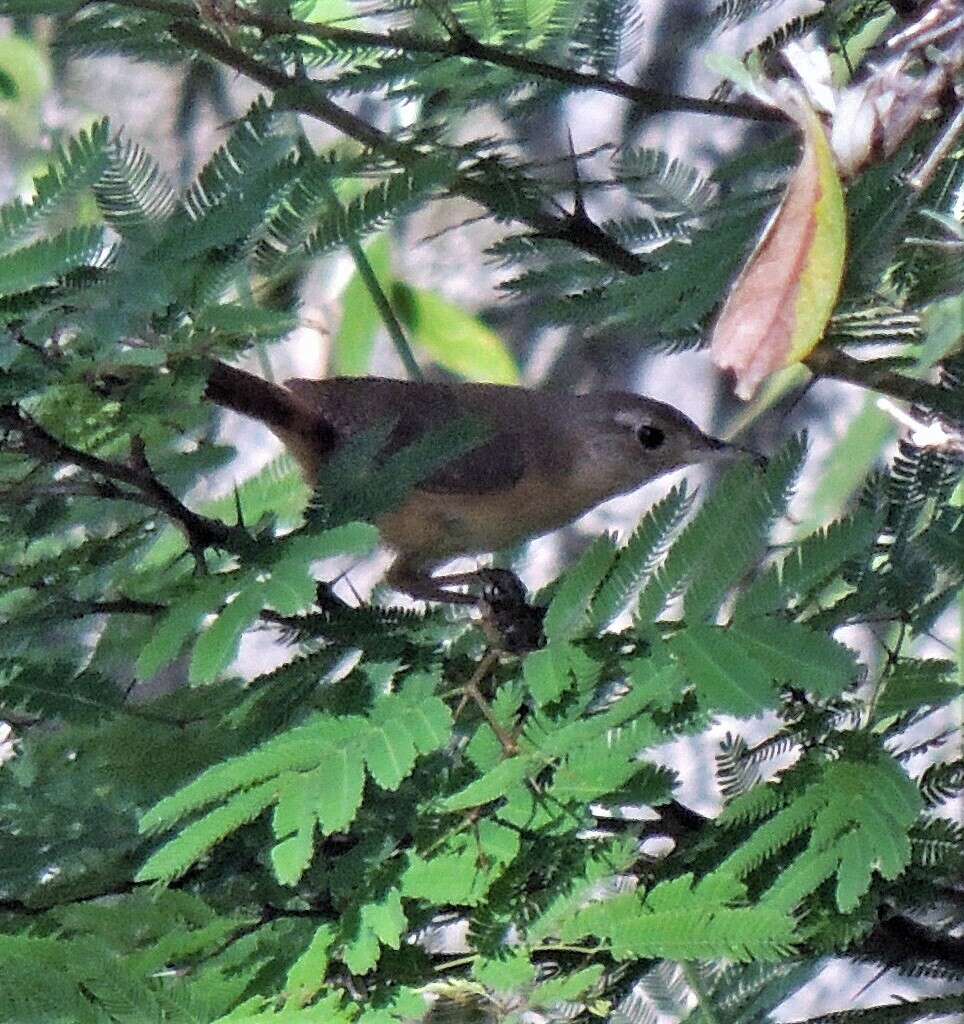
353 406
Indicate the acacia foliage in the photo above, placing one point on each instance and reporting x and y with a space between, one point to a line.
270 849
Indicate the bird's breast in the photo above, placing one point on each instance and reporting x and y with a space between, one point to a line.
434 526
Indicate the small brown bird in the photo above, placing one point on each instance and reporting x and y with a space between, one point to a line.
551 456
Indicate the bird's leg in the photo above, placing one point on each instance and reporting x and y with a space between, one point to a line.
509 621
417 581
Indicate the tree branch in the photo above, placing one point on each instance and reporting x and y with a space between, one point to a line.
580 232
301 96
463 45
826 361
201 531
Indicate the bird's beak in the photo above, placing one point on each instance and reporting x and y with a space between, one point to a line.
720 451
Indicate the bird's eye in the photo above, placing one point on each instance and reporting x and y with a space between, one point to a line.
649 436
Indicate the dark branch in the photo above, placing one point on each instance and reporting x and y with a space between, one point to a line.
201 531
831 362
462 45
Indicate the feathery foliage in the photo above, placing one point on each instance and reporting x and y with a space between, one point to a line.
192 834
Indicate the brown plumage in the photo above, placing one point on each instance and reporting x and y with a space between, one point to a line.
550 455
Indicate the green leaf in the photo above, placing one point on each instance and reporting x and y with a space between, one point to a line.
492 785
361 953
360 322
793 654
725 537
546 673
299 749
455 340
872 796
340 787
455 876
386 919
498 841
49 259
855 870
725 678
639 556
354 538
807 566
290 588
293 825
507 973
568 613
683 924
388 747
568 987
306 976
246 321
427 718
916 684
175 857
72 167
182 618
8 86
217 646
56 690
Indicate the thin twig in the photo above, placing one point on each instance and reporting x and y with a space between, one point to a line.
505 738
377 293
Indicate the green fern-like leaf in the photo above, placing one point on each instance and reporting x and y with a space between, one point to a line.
607 35
54 690
670 187
306 976
725 536
74 166
796 656
942 783
295 750
680 922
917 683
637 559
257 143
46 261
938 843
141 35
808 565
734 775
568 613
375 208
728 13
858 815
175 857
132 194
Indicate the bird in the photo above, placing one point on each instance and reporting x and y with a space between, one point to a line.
546 457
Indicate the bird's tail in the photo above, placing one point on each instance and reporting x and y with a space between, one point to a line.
306 433
249 395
